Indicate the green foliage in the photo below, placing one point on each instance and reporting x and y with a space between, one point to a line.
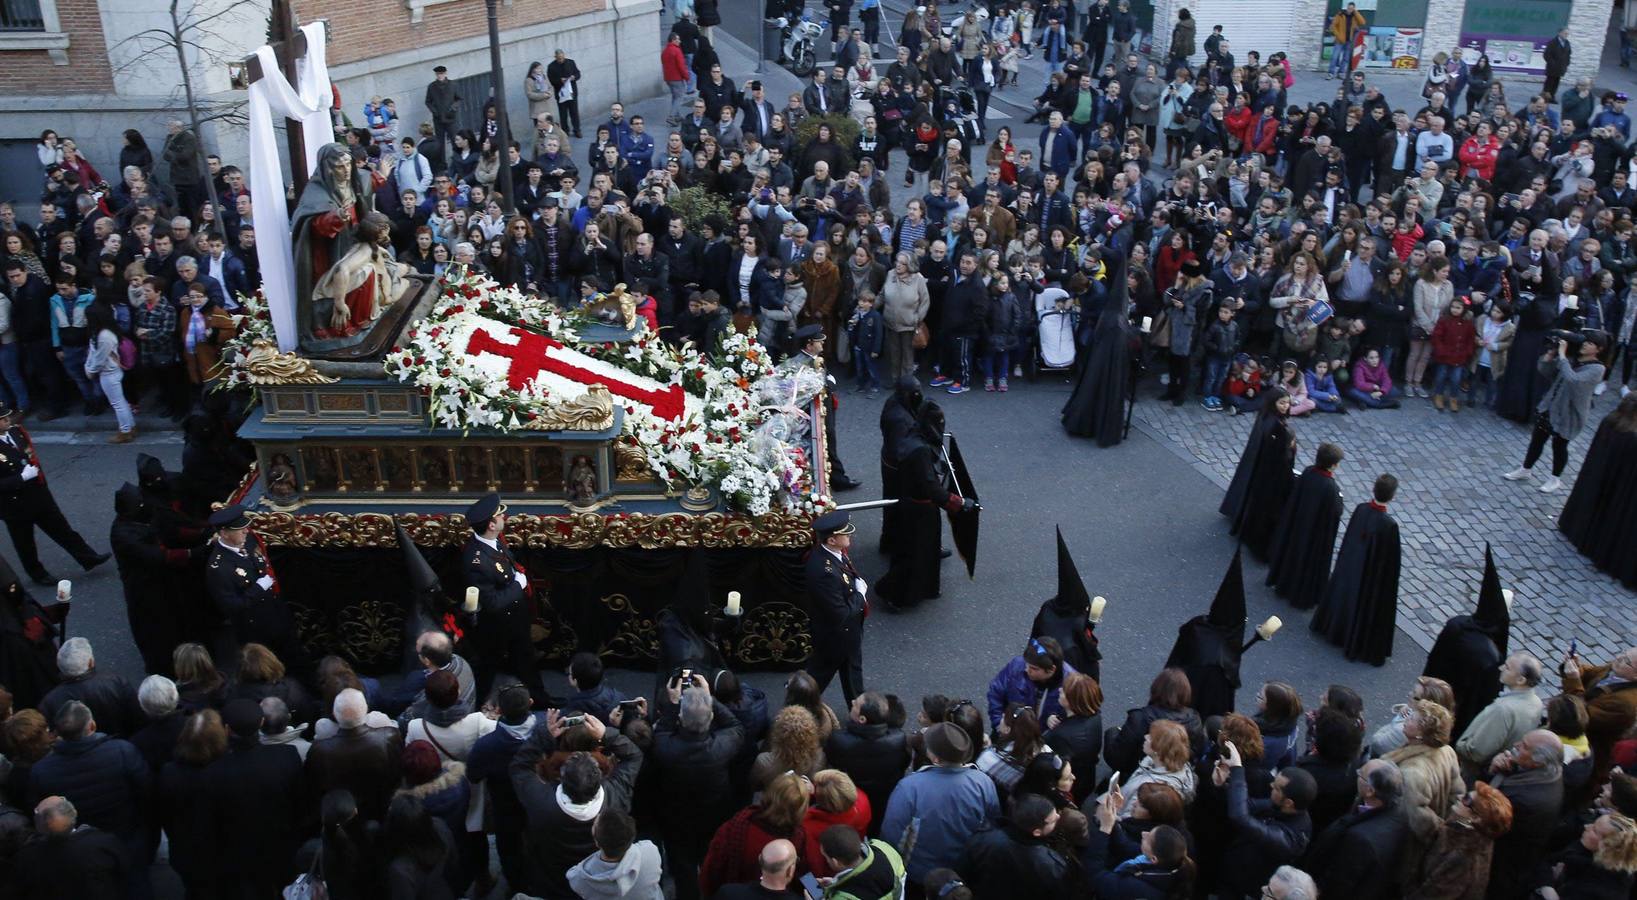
844 130
695 203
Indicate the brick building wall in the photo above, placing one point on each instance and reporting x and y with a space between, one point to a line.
360 31
87 71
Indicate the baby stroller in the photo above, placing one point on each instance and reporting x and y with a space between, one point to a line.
959 106
1056 320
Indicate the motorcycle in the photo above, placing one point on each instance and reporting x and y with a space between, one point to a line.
798 44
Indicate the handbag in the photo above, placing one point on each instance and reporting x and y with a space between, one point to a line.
922 338
127 354
308 886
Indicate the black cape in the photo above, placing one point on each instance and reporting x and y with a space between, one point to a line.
1360 606
1471 648
1208 647
689 631
153 585
28 642
1600 517
897 421
1305 539
1065 618
1262 482
1096 409
1522 385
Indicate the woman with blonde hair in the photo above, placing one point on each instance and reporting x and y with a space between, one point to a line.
1603 864
1390 736
793 745
734 850
198 683
836 800
1165 760
1432 775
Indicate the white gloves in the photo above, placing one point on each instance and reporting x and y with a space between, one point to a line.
861 587
522 580
265 582
31 472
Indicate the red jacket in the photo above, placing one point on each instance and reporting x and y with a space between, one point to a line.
1262 135
1453 340
1481 157
818 820
732 855
673 63
1167 263
1238 122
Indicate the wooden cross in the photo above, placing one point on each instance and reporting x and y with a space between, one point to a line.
288 44
533 354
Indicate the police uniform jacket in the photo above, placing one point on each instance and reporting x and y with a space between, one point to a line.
19 499
835 605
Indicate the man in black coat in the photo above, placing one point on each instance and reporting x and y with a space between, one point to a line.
1265 834
717 90
105 777
1014 858
110 697
837 604
1305 538
1337 739
26 502
1557 55
1531 776
685 252
66 859
31 321
961 323
696 741
873 753
501 634
1359 855
1470 649
359 757
259 802
646 266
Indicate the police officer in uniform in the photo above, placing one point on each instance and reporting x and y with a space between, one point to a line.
26 503
810 340
836 606
241 584
503 618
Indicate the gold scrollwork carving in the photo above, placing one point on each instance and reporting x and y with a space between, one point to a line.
631 464
265 365
371 629
574 531
591 411
777 633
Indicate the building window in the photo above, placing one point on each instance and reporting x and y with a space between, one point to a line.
21 15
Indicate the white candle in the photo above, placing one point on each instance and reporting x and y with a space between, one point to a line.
1506 594
1270 628
1147 324
471 599
65 589
733 603
1096 612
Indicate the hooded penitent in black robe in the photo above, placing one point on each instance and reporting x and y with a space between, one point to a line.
1262 482
1065 617
156 579
1096 409
1360 606
1470 650
923 490
690 629
427 601
28 642
1208 647
1305 539
1522 385
1600 518
166 498
897 421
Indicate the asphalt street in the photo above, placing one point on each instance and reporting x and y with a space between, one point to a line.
1140 520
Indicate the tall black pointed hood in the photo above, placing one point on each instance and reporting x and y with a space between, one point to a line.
1072 597
1115 311
1228 609
1492 615
693 594
422 580
129 505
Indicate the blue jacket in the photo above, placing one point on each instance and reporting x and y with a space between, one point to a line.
1011 685
106 778
947 804
865 333
599 701
1064 151
638 150
487 764
59 309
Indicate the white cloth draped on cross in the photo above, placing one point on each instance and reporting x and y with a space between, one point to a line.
309 103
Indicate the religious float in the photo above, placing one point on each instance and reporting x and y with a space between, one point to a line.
384 403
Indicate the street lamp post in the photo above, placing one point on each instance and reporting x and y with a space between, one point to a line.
497 77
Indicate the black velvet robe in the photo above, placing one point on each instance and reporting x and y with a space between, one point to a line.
1073 632
1305 539
923 495
1360 606
1600 517
1261 484
1466 656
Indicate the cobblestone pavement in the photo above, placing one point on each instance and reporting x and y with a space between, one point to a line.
1451 499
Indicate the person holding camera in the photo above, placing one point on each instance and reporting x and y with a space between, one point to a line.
1563 411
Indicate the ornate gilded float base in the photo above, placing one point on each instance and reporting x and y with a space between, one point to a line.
577 531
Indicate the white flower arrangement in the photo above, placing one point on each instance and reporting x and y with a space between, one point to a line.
723 439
